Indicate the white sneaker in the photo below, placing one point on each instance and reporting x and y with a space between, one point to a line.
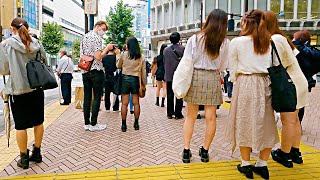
98 127
86 127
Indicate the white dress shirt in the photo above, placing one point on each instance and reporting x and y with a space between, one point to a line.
65 65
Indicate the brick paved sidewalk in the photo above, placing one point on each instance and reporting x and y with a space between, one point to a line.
68 148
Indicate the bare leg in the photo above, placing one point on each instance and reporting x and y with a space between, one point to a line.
124 106
245 153
38 135
289 130
22 140
135 101
264 154
159 86
192 111
210 114
164 89
297 139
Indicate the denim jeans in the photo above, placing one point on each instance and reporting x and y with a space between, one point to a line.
92 81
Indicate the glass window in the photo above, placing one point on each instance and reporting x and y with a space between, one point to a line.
235 8
315 9
302 9
262 5
250 5
275 6
31 12
223 4
210 5
288 9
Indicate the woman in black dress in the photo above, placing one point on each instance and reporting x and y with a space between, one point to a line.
160 77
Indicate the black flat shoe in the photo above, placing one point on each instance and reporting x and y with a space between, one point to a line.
186 156
179 117
204 155
64 104
131 112
169 117
296 156
246 170
262 171
124 128
282 158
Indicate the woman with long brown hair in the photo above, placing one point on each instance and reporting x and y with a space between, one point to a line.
251 124
291 129
27 105
209 50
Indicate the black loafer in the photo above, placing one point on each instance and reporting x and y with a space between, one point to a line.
169 117
246 170
179 117
262 171
282 158
296 156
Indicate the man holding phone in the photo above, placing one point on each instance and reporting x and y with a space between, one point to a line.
91 45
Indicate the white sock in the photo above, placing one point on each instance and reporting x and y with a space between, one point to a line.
245 163
261 163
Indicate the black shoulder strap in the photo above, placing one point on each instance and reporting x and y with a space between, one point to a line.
276 51
179 56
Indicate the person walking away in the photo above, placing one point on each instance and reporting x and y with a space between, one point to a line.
171 59
308 59
27 105
130 99
131 62
205 87
91 45
291 130
160 77
153 70
251 125
110 68
64 71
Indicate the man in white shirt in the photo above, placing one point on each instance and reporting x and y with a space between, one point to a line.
64 71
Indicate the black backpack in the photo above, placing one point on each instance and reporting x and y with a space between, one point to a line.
309 59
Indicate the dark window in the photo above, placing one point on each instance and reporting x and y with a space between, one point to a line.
47 12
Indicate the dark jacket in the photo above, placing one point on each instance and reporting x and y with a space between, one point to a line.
171 61
307 62
109 64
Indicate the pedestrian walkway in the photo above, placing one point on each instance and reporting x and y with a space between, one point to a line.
153 152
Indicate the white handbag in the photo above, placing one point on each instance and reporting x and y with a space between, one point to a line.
182 78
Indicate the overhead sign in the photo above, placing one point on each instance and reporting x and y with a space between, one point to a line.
91 6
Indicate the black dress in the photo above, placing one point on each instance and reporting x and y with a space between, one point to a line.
160 70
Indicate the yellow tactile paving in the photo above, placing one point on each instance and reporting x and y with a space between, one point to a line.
213 170
8 154
196 171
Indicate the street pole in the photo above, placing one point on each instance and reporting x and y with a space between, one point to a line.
201 13
85 19
0 21
246 5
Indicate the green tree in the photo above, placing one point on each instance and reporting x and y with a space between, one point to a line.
76 49
120 22
52 38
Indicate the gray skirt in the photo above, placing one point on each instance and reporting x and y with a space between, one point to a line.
205 88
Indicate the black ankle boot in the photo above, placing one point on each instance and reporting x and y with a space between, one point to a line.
203 154
282 158
296 155
186 156
157 101
36 155
124 126
162 102
136 125
24 160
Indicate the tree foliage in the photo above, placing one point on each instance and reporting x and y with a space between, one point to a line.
52 37
120 22
76 49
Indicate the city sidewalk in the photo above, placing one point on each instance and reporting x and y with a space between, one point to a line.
68 148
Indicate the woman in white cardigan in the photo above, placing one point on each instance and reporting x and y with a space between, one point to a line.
251 124
291 129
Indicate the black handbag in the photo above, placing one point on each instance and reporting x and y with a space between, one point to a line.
40 76
117 85
284 97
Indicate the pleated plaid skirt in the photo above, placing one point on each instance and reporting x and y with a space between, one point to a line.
205 88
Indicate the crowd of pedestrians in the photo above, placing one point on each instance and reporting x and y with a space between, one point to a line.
240 64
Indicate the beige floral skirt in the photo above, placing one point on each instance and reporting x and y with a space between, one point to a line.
205 88
251 121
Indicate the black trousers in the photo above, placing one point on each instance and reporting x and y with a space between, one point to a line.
92 81
229 89
108 89
66 79
171 110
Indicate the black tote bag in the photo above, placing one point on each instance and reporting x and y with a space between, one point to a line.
40 76
284 96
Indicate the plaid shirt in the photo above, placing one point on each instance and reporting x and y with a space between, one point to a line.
90 43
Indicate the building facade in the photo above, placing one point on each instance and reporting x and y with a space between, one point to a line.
184 16
69 15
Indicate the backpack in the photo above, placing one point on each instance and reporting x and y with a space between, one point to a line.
309 59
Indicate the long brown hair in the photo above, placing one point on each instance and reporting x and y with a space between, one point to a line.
22 26
215 31
253 24
273 28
